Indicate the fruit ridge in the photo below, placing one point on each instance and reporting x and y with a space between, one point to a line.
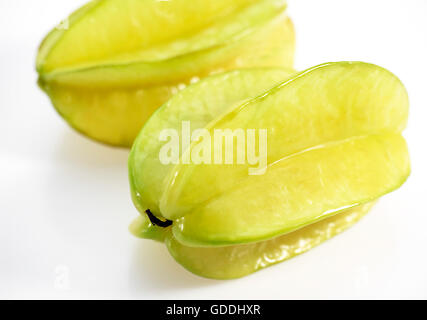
314 177
106 74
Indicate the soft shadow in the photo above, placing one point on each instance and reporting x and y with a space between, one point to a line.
76 149
154 269
104 167
90 184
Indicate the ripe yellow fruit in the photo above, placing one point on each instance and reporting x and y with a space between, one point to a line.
334 147
119 60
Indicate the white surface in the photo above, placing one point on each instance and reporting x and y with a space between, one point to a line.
65 205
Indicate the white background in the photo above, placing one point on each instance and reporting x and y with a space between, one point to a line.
65 205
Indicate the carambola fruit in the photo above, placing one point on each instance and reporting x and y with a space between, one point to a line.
334 147
116 61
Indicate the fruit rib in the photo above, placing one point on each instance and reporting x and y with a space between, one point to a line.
328 103
199 104
237 261
111 31
106 74
274 40
299 190
317 184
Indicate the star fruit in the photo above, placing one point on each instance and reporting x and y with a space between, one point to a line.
334 147
112 63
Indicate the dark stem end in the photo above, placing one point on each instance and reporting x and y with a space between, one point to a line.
156 221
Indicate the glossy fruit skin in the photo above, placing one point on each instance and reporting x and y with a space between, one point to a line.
108 97
317 184
358 107
200 103
351 99
299 191
231 262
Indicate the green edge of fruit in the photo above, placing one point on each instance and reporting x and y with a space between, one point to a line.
383 138
109 95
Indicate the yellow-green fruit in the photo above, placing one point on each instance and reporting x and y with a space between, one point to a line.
119 60
334 147
236 261
199 104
